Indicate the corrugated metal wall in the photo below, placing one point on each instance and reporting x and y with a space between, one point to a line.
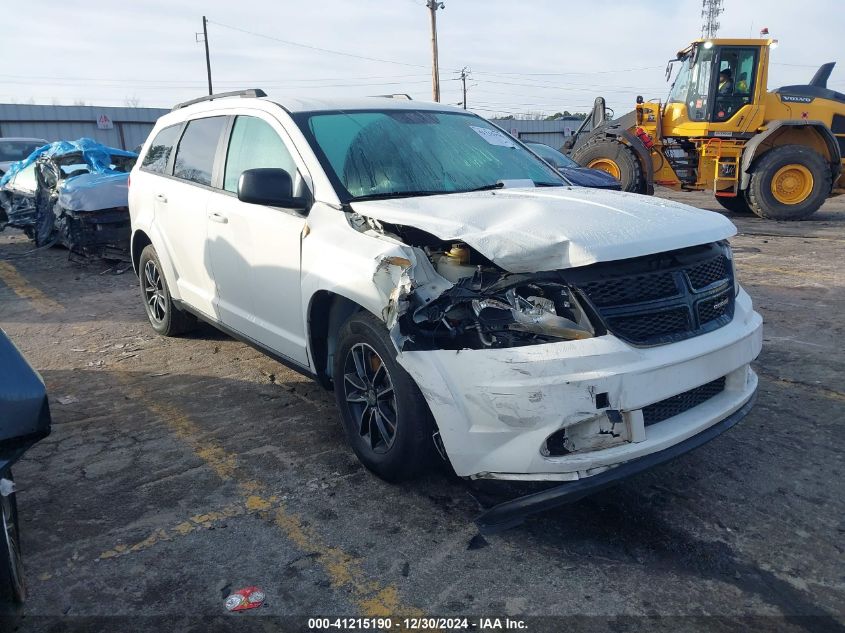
552 133
68 123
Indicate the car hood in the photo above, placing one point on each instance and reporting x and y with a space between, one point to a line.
540 229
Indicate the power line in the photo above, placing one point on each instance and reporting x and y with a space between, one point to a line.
315 48
559 74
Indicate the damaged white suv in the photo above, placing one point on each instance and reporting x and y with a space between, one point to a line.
455 291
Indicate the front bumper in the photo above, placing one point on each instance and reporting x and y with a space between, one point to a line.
496 408
511 513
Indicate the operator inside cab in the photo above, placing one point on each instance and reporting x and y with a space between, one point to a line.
726 83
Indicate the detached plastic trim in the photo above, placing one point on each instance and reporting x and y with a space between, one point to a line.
512 513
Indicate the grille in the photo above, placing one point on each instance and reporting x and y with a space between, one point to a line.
708 273
714 307
670 407
632 289
639 327
661 298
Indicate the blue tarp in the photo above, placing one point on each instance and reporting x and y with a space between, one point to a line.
98 157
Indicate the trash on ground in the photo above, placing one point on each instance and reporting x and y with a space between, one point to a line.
246 598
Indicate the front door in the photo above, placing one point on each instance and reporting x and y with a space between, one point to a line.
254 248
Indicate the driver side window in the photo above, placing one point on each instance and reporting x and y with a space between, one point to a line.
254 144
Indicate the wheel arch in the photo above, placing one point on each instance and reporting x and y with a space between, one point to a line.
813 134
140 240
327 312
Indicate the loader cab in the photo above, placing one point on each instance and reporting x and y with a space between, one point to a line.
716 80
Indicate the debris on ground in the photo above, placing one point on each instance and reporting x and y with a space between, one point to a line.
246 598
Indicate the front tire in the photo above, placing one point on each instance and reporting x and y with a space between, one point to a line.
385 416
163 315
12 585
789 182
615 158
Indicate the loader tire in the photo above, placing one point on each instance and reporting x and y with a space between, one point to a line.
615 158
738 205
789 182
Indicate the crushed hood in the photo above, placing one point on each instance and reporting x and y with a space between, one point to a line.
540 229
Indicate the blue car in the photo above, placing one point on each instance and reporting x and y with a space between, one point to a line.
572 171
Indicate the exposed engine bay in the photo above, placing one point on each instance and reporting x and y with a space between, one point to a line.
487 307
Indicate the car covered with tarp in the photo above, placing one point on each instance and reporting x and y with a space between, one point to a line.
72 193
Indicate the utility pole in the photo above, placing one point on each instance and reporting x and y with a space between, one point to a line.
710 11
207 56
433 5
464 75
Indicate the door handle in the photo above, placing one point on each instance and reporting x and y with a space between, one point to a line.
161 197
217 217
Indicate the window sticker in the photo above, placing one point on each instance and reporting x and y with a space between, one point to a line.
494 137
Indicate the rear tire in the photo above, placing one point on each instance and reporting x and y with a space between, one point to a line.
384 414
738 205
163 315
789 182
12 585
614 157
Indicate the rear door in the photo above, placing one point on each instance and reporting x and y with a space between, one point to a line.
255 249
181 201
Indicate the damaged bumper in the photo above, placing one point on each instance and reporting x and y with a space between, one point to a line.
571 410
511 513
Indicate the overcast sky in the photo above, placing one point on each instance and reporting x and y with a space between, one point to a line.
528 56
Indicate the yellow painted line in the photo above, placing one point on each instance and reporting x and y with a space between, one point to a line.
43 304
819 389
373 598
204 521
791 272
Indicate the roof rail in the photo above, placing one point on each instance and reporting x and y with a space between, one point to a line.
397 95
251 92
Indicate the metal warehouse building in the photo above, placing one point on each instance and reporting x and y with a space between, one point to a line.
125 128
552 133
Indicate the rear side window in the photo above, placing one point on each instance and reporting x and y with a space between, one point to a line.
195 155
159 153
254 144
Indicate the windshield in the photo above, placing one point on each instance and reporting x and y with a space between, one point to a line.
552 156
678 94
399 153
12 151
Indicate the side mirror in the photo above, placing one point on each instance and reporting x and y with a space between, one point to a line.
269 186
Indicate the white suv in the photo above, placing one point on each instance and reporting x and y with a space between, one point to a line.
453 290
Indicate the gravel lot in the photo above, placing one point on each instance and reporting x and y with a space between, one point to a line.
179 469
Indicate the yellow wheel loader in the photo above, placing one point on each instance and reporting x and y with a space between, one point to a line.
777 154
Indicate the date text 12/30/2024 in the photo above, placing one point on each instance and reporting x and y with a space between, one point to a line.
416 624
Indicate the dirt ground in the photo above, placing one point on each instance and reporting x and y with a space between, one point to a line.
180 469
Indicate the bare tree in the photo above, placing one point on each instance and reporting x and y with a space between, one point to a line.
79 102
132 102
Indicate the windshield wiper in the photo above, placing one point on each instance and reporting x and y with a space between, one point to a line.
551 184
387 195
495 185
